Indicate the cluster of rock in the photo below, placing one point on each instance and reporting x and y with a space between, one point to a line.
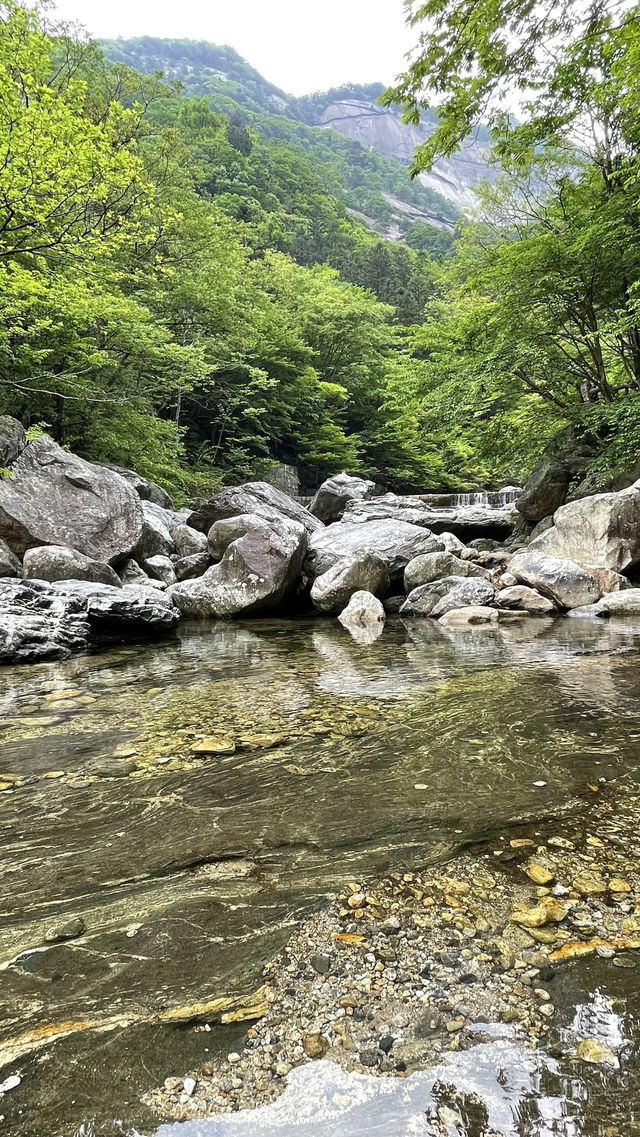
88 550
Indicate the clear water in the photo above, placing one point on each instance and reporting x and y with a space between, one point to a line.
331 738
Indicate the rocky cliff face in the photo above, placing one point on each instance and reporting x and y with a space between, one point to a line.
379 129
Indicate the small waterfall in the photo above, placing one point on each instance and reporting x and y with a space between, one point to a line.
498 499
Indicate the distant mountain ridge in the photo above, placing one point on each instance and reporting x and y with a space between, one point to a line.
344 127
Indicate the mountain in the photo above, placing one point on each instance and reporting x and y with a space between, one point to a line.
360 150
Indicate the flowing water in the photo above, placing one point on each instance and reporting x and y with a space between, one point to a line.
145 883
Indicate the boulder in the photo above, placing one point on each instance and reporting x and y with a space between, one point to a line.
253 497
434 566
222 533
620 603
256 574
12 440
37 625
608 580
525 600
396 541
547 488
363 610
336 493
568 584
121 610
55 498
390 507
160 568
444 595
146 491
132 575
156 536
187 568
603 530
57 562
451 543
361 572
474 614
188 542
9 563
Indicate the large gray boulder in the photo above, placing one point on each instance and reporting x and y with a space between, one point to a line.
523 599
58 562
562 580
361 572
548 486
252 497
363 611
603 530
132 575
12 440
121 611
187 568
146 490
620 603
56 498
256 574
160 568
9 563
37 624
391 507
336 493
434 566
395 541
444 595
156 537
223 533
188 542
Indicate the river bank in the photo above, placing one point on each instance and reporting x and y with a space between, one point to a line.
401 970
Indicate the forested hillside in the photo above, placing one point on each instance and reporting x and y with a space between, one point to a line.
185 290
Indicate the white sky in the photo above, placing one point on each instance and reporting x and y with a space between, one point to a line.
300 45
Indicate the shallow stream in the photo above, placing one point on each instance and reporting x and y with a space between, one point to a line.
146 883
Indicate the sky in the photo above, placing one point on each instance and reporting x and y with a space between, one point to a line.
300 45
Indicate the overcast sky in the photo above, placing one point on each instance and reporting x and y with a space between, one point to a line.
300 45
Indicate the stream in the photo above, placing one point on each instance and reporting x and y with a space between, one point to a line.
170 811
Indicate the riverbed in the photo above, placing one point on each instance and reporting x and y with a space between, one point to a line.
171 812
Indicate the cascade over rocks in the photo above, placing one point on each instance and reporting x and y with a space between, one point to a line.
360 572
434 566
253 497
56 498
603 530
444 595
336 493
467 519
397 541
256 574
57 562
562 580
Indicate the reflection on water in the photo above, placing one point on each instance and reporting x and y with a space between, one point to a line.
319 747
496 1088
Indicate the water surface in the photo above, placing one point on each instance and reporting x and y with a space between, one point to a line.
189 871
